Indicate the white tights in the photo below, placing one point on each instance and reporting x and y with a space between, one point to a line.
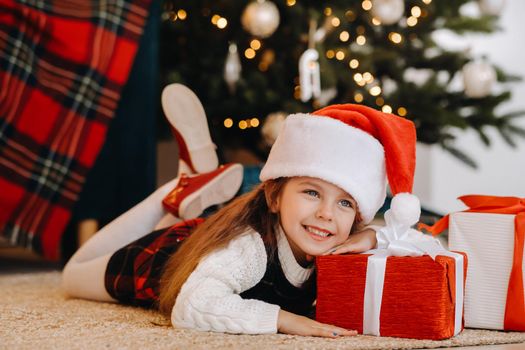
83 275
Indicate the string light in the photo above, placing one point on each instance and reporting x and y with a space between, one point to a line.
255 44
350 15
335 22
358 77
386 109
380 101
416 11
368 77
297 92
360 40
366 5
358 97
411 21
290 2
254 122
327 11
360 30
402 111
376 21
215 19
344 36
340 55
222 23
375 90
172 16
243 124
427 1
354 63
395 37
228 122
182 14
249 53
330 54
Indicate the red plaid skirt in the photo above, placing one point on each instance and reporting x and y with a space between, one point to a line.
62 68
133 272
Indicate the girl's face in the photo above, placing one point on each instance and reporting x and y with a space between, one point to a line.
315 215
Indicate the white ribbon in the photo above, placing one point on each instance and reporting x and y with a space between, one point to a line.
400 240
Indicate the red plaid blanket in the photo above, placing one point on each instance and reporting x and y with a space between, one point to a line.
62 67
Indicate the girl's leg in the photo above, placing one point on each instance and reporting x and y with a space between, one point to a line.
83 275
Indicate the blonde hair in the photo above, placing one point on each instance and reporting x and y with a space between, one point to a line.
249 210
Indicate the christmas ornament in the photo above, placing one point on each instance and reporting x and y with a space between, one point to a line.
478 78
417 76
491 7
260 18
232 68
389 86
388 11
271 127
309 77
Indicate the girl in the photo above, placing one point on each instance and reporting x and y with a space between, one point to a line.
249 267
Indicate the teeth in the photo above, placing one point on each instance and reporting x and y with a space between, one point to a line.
317 232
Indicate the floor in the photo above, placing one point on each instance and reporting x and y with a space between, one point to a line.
11 262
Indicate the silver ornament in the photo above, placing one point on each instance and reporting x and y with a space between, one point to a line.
232 68
478 79
260 18
491 7
388 11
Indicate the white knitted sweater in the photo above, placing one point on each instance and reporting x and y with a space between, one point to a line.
209 300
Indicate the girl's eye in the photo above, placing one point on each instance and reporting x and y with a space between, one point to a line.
312 193
346 203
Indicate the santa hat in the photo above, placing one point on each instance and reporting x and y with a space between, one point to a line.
356 148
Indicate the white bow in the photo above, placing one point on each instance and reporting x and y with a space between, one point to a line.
396 239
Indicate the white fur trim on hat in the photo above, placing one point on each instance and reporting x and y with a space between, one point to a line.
328 149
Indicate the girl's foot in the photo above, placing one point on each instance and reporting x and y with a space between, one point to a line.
194 193
186 115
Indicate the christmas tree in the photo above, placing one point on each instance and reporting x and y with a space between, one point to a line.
243 60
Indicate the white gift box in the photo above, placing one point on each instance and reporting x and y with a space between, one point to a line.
488 240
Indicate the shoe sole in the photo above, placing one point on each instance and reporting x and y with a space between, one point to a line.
219 190
185 113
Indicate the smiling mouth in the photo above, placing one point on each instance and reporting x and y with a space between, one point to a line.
318 232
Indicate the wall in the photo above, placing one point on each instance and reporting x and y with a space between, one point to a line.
441 178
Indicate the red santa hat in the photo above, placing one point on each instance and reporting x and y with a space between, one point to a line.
356 148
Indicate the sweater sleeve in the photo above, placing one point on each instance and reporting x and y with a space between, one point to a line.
209 300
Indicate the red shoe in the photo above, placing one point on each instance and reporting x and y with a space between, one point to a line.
186 115
193 194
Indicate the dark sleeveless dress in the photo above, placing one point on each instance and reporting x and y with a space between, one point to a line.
133 273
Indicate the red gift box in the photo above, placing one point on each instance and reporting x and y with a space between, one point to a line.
418 299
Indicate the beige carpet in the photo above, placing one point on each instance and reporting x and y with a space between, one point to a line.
35 314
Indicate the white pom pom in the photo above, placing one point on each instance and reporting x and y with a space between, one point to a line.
405 208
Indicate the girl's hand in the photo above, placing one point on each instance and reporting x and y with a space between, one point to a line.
357 243
290 323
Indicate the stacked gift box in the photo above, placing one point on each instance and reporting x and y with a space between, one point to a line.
492 233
